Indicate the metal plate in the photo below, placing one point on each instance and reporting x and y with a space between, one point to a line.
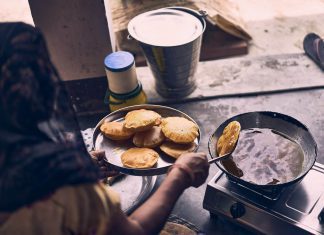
133 190
114 149
155 27
282 123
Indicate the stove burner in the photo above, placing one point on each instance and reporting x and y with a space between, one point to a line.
270 194
295 209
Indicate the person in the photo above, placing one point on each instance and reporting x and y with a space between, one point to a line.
48 182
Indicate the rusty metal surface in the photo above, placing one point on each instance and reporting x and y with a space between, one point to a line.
306 106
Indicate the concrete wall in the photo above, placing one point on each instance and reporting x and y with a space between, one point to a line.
77 35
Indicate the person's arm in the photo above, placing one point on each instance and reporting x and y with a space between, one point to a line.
151 216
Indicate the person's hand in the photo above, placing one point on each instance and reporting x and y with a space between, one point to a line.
98 159
195 165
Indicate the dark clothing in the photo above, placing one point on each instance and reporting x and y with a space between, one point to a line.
37 156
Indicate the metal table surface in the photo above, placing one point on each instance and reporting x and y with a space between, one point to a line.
306 106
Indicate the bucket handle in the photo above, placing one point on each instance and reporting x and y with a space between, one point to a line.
203 13
200 13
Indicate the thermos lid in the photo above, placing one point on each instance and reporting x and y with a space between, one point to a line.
165 27
119 61
121 73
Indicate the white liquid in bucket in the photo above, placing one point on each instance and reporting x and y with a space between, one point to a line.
171 29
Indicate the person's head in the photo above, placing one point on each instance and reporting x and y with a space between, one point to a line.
27 77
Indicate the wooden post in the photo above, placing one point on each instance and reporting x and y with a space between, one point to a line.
77 35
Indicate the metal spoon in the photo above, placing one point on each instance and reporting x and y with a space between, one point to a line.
220 157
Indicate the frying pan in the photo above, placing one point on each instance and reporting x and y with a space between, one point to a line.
288 126
114 149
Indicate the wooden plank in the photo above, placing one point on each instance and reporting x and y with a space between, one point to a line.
218 44
78 42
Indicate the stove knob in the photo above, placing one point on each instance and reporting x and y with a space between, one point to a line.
321 217
237 210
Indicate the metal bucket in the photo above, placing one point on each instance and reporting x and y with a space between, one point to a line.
173 60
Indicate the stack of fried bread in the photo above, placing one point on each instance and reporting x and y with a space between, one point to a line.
149 131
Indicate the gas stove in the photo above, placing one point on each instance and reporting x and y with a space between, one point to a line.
296 209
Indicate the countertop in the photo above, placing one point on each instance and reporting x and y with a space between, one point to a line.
306 106
290 84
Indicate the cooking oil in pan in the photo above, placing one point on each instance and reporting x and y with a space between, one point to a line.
265 156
